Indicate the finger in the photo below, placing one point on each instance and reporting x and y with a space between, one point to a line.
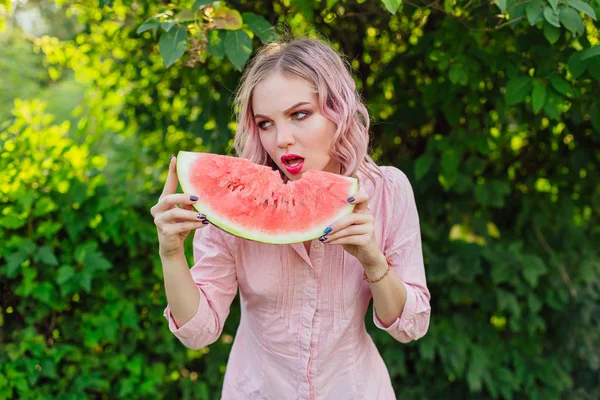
349 231
355 240
171 183
181 227
351 219
176 215
172 200
361 202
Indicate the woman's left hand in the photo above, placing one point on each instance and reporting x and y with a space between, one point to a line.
356 233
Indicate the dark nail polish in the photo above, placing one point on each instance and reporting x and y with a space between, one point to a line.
194 198
205 222
351 199
201 216
322 238
328 230
172 155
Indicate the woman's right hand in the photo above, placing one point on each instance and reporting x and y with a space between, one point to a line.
174 223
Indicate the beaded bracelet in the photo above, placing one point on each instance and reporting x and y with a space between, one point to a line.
389 262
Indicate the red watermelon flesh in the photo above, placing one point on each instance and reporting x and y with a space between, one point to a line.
252 201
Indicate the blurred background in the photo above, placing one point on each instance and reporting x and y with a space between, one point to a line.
491 108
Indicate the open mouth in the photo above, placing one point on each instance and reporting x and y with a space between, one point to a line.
293 162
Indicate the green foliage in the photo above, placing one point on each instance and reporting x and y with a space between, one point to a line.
494 117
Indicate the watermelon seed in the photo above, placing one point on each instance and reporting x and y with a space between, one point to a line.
294 202
266 204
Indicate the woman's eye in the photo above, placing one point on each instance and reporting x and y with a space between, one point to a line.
299 115
263 124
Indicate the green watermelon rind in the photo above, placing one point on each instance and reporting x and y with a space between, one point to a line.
184 160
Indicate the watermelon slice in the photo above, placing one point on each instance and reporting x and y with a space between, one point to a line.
251 200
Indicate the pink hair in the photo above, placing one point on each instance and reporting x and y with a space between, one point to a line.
320 65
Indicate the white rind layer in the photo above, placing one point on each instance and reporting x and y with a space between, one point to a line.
185 159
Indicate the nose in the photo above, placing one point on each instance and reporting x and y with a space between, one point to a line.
285 137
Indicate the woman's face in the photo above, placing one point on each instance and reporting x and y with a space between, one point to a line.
291 127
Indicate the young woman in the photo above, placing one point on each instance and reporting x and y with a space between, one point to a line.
302 331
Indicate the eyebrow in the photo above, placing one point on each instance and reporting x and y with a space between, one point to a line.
301 103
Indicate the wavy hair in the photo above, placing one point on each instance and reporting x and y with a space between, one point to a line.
319 64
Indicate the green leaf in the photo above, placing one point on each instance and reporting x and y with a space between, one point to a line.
591 52
478 367
533 268
64 274
45 254
561 85
571 20
551 106
422 165
392 5
552 16
227 18
501 4
172 45
553 3
259 25
517 89
508 301
551 33
583 7
577 66
538 95
458 75
147 25
216 43
185 16
330 4
238 47
448 5
166 26
450 161
534 11
200 3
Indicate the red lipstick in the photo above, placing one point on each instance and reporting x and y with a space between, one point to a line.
292 162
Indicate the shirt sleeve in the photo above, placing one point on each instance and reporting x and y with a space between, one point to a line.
215 276
403 247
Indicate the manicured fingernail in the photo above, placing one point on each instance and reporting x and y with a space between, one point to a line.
194 198
328 230
322 238
201 216
172 155
351 199
205 222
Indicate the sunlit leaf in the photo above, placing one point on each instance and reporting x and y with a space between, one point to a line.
392 5
227 18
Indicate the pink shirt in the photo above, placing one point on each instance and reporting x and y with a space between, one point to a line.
302 330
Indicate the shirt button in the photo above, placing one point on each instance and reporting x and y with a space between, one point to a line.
318 245
311 303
